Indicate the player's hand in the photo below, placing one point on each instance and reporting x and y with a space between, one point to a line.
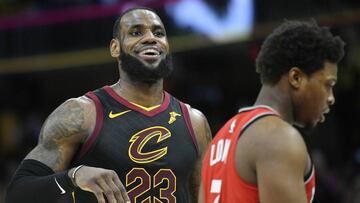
101 182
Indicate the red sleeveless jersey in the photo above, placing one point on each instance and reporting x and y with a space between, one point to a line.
221 182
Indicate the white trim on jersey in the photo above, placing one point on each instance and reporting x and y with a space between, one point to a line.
257 106
256 117
312 174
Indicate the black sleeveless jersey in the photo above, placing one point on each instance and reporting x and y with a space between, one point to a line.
153 152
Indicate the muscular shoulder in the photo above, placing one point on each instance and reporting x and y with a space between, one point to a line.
63 131
71 121
201 128
278 141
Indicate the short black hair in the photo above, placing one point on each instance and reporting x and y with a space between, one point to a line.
297 44
116 27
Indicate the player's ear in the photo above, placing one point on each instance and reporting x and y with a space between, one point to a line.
115 48
296 77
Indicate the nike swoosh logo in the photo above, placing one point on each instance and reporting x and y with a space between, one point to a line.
62 189
111 115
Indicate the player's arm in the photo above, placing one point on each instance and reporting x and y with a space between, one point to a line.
42 176
280 162
203 137
201 194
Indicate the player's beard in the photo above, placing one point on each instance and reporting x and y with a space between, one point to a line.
139 72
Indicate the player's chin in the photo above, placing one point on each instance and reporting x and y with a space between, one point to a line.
307 125
151 64
320 119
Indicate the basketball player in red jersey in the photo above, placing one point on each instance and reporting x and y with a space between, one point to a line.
128 142
258 156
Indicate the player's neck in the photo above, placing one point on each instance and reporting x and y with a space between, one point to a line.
278 99
140 93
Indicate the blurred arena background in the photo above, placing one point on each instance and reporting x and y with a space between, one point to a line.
52 50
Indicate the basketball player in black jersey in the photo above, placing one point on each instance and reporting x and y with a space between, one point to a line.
128 142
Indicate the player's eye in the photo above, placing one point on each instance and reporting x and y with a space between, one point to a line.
159 33
136 33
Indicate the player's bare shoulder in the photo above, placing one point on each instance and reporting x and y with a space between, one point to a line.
63 131
71 120
273 137
201 127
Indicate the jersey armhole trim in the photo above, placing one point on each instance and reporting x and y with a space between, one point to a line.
98 125
309 176
187 119
233 160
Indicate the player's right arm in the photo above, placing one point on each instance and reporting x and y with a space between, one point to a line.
43 174
280 162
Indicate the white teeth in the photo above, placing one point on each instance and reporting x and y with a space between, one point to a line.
149 52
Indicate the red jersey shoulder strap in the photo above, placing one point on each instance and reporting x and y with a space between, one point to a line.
247 116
